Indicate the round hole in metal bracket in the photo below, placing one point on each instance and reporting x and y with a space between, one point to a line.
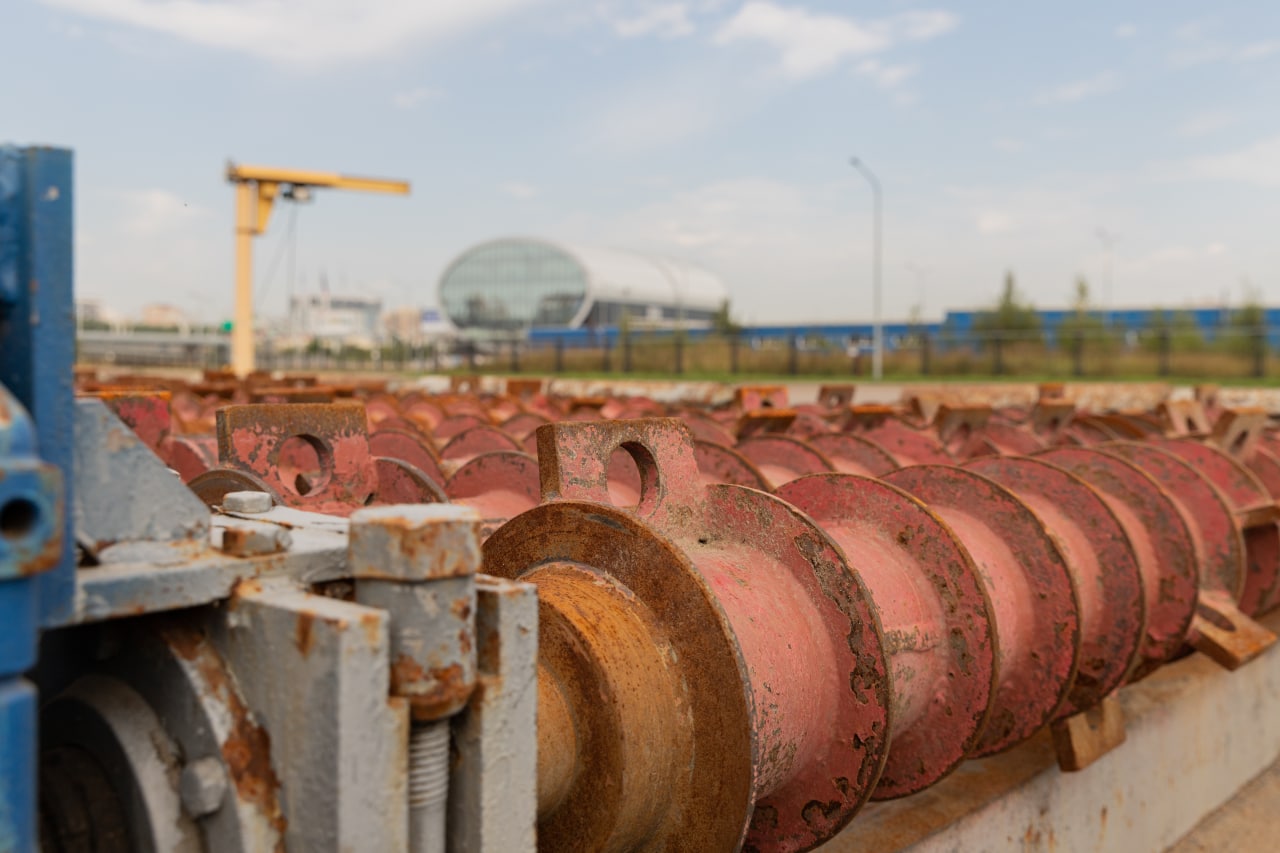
647 467
305 464
18 517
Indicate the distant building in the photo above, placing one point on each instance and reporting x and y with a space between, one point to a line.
351 320
518 284
162 315
416 325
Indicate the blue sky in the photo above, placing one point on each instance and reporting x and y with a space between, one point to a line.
1006 134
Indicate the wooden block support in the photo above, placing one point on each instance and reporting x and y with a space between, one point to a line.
1226 635
1083 738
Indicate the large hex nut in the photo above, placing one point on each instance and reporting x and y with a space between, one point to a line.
415 542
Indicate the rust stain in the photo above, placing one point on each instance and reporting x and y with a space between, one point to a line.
302 635
247 748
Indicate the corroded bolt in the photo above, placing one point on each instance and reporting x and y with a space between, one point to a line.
255 541
203 786
246 502
415 543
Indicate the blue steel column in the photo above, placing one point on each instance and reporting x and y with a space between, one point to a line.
38 323
37 350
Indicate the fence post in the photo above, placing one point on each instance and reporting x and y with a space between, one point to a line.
679 340
793 357
1259 353
998 343
559 366
606 362
733 353
1077 354
925 344
471 356
626 353
1163 340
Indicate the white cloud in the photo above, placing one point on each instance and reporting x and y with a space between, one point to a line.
407 100
305 33
994 222
1205 123
810 43
1257 50
519 189
1126 31
1009 145
1258 164
665 20
1079 90
885 76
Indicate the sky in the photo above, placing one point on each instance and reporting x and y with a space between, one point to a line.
1007 136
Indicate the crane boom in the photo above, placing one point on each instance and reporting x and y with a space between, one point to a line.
257 188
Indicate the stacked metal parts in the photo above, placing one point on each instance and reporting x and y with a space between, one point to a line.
279 613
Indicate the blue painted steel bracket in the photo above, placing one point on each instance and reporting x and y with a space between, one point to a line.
37 325
37 354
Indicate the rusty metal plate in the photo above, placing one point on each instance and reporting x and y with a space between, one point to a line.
315 456
854 454
804 624
710 777
1107 576
1219 540
1160 537
907 446
498 485
408 446
473 441
190 455
782 458
936 618
1037 606
718 463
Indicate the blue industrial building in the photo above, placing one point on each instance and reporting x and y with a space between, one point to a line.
957 329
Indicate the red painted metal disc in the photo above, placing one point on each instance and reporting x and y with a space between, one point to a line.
1108 579
1161 538
1220 543
854 454
718 463
1037 606
885 533
782 458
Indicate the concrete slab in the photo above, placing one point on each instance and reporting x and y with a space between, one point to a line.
1197 734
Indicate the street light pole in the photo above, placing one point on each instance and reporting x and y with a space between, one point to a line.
877 327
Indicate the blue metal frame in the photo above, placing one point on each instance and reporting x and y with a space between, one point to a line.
37 353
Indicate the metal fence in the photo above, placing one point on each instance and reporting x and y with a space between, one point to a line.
1244 353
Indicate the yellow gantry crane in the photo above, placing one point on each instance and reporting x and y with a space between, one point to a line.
257 188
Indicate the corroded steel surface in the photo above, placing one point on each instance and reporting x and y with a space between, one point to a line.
795 630
1027 578
1160 537
498 485
853 454
782 458
314 456
1219 541
473 441
907 445
718 463
1102 560
937 620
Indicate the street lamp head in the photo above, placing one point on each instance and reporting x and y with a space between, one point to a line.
855 162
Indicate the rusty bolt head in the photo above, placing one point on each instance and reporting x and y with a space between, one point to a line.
203 786
415 542
246 502
255 541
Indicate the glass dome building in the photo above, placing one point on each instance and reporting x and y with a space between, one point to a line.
513 284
